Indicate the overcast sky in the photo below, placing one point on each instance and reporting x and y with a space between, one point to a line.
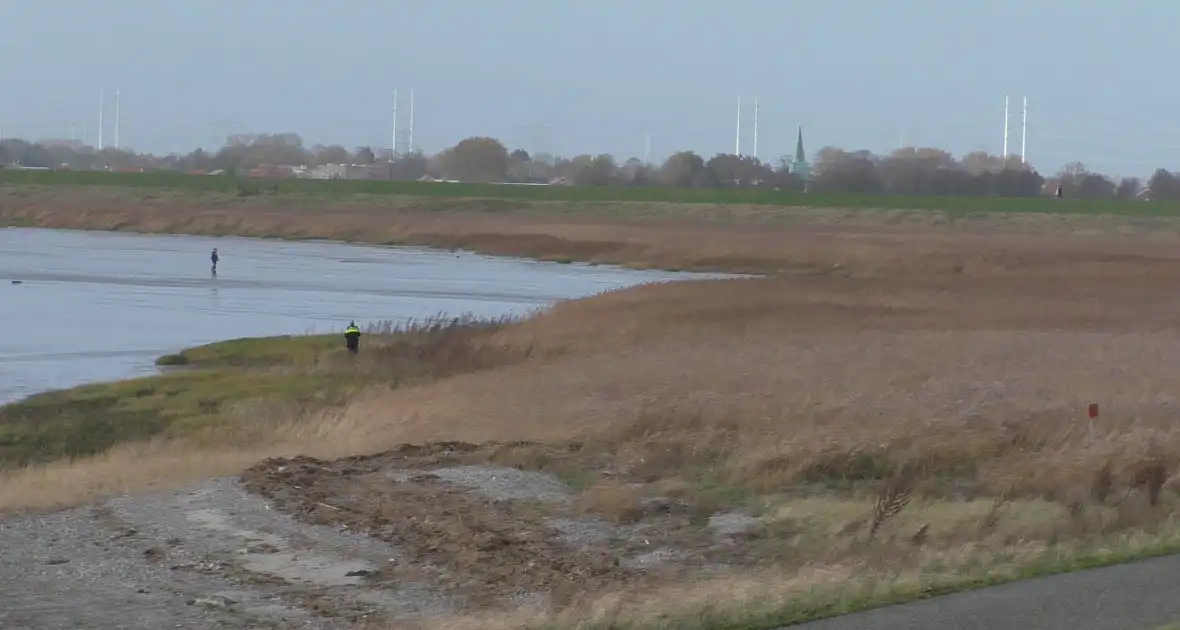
598 75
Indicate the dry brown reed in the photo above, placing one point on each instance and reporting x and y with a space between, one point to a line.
928 395
648 235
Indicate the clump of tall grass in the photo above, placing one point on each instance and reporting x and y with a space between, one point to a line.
432 347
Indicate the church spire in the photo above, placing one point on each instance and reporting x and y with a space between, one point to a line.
799 167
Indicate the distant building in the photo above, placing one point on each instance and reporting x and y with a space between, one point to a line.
349 171
799 166
272 171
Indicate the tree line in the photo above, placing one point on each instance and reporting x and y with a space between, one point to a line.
906 171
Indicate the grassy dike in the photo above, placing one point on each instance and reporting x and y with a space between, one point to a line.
211 389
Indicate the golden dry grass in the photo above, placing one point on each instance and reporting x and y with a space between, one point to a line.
612 500
958 365
974 386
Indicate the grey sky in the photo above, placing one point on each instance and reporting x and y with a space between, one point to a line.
601 74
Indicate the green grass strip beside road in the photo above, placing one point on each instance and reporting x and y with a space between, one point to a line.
880 591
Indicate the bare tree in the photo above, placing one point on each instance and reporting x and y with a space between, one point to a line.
683 169
331 154
1128 188
364 155
479 159
599 170
1164 185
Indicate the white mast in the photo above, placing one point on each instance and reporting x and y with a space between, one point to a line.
1024 132
647 149
411 139
393 137
737 144
118 105
102 99
755 127
1004 155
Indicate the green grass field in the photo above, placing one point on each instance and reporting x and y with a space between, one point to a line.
250 187
91 418
234 382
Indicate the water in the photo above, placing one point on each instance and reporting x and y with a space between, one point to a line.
95 306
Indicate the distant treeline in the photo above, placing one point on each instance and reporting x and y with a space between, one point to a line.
830 174
249 187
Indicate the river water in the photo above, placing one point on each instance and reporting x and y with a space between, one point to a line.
78 307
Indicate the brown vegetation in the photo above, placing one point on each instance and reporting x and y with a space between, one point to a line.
912 408
926 415
644 235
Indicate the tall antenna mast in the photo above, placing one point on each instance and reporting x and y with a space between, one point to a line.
1004 156
755 127
1024 132
393 137
411 139
647 149
102 100
118 105
737 145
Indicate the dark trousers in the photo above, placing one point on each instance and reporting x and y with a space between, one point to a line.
353 342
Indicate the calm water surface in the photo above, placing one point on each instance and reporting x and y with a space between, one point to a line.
95 306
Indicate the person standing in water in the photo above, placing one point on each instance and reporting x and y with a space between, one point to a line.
352 337
214 257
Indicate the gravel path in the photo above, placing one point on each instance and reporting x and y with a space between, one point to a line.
210 556
67 570
1137 596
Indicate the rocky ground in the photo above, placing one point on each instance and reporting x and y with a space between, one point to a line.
301 543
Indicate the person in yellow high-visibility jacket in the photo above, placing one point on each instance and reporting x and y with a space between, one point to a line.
352 337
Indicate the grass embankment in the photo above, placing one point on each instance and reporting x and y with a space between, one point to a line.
222 389
891 437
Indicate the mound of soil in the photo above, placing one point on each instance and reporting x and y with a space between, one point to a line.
482 549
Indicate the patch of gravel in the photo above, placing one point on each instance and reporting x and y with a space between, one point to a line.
732 524
499 483
68 570
219 527
581 533
652 559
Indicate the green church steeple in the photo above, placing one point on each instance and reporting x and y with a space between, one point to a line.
799 166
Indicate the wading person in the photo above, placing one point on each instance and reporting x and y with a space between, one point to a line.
352 337
214 257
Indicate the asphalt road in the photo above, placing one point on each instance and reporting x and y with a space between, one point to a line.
1138 596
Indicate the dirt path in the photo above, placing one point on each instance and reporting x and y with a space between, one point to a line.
212 556
276 548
